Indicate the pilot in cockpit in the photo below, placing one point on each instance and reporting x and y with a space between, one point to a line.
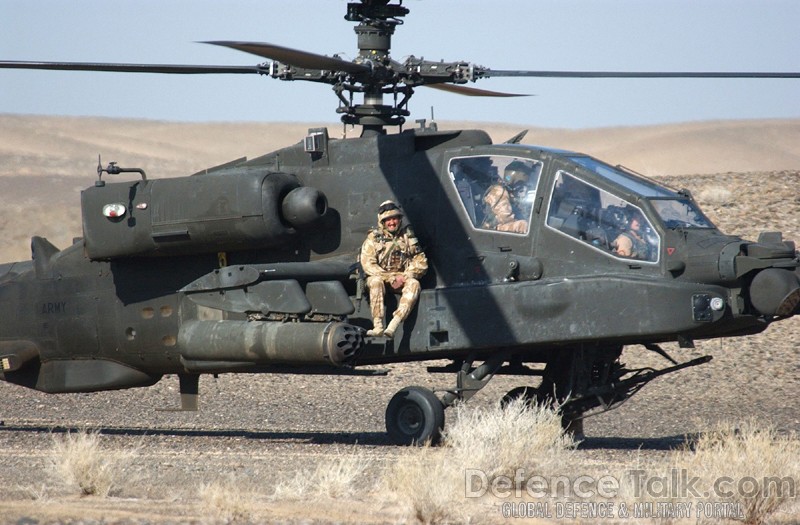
506 206
632 242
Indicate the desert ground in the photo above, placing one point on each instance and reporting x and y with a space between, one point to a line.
262 448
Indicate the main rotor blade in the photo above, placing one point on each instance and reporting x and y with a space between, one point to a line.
130 68
472 92
486 73
294 57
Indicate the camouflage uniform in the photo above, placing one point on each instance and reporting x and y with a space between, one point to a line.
502 207
384 256
630 244
500 211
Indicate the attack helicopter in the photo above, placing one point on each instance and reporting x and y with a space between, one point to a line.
250 266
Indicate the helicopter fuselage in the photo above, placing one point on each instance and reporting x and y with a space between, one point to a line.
250 267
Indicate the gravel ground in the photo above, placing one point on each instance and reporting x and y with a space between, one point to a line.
260 429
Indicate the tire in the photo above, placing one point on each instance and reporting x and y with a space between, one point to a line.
532 396
415 416
529 394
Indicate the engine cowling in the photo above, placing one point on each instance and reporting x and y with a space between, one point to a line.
198 214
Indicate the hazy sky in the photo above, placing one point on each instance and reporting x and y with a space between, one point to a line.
634 35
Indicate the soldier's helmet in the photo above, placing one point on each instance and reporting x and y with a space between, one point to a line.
517 174
632 213
387 210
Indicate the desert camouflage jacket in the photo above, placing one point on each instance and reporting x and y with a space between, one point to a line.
499 206
383 253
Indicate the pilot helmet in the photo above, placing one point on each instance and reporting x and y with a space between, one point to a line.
517 173
387 210
634 213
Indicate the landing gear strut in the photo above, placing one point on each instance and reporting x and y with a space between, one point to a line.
580 382
416 416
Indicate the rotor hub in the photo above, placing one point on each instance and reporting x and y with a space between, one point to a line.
373 41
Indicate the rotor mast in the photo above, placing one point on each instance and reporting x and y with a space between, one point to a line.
377 21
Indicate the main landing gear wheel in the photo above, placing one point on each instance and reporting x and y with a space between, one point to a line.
529 394
414 416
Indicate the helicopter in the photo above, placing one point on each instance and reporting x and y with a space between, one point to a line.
251 266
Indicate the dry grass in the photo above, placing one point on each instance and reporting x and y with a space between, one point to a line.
487 442
501 441
749 471
229 501
430 485
752 465
80 460
343 476
39 493
715 196
236 500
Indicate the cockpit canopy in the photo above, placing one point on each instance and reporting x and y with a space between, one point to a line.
497 191
615 211
606 221
675 209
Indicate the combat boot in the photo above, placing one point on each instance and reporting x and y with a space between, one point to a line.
392 328
377 329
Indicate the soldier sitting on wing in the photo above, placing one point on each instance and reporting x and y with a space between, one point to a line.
502 200
391 256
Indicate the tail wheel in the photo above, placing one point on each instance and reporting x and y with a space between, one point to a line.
415 416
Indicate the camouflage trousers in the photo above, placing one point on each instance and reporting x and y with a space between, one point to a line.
517 226
377 288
